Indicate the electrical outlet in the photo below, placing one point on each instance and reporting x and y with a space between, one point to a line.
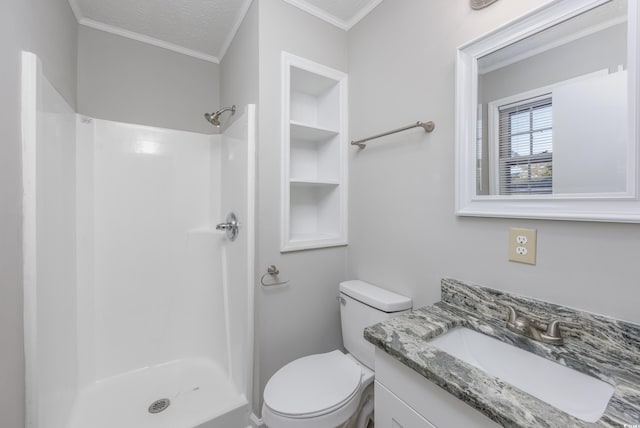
522 245
521 251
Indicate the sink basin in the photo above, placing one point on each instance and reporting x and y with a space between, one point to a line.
575 393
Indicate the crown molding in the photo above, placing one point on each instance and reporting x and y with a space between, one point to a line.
362 13
82 20
319 13
236 26
148 40
76 9
300 4
332 19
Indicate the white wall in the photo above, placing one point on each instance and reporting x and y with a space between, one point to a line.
602 101
302 318
48 28
128 81
404 233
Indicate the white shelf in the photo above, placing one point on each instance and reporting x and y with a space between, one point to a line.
313 182
314 240
306 132
314 148
302 238
315 160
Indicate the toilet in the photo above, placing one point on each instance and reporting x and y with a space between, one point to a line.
334 389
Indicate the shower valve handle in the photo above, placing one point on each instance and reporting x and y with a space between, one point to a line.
230 226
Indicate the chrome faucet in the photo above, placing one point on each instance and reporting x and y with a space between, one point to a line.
528 327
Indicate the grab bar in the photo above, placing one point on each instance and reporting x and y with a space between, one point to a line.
427 126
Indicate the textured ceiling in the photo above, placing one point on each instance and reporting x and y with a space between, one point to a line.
200 28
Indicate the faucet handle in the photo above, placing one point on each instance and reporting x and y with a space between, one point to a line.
513 313
553 328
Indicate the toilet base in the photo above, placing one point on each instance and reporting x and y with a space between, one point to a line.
365 410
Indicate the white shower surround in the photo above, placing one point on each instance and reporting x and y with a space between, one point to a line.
131 295
48 176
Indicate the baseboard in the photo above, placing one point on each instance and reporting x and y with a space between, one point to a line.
256 422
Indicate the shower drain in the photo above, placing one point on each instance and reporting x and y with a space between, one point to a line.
159 405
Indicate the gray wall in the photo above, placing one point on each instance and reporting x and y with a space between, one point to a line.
302 318
47 28
401 69
605 49
239 67
128 81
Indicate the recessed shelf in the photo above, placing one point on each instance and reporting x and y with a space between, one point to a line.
313 182
314 155
303 237
310 82
314 240
306 132
315 97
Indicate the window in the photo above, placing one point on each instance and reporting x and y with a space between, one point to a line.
525 147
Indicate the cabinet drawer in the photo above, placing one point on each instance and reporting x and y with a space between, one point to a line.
391 412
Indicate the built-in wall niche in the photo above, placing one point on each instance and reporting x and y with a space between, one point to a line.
314 155
314 150
315 213
314 99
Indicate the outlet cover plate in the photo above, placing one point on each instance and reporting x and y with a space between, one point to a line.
522 245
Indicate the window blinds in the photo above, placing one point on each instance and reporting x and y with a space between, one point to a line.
525 135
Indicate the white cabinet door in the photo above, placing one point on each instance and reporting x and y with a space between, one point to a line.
391 412
442 409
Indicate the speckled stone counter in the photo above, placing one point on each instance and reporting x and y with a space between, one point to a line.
605 348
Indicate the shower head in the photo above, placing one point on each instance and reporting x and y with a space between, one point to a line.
214 118
481 4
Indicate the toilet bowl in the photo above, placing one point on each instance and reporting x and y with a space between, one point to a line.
318 391
334 389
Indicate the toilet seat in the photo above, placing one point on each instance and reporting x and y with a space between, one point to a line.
313 386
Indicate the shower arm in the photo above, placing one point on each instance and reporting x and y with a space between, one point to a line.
214 118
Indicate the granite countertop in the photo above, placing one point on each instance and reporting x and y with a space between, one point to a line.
605 348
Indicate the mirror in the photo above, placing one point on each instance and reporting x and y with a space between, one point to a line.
547 115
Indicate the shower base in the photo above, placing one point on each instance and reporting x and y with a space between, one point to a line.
198 392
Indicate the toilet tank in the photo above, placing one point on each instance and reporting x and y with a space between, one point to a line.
361 305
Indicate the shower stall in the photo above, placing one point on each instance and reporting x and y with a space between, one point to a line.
138 312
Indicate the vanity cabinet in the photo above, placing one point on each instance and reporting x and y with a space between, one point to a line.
405 399
314 149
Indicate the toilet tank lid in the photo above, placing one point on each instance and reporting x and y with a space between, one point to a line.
372 295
